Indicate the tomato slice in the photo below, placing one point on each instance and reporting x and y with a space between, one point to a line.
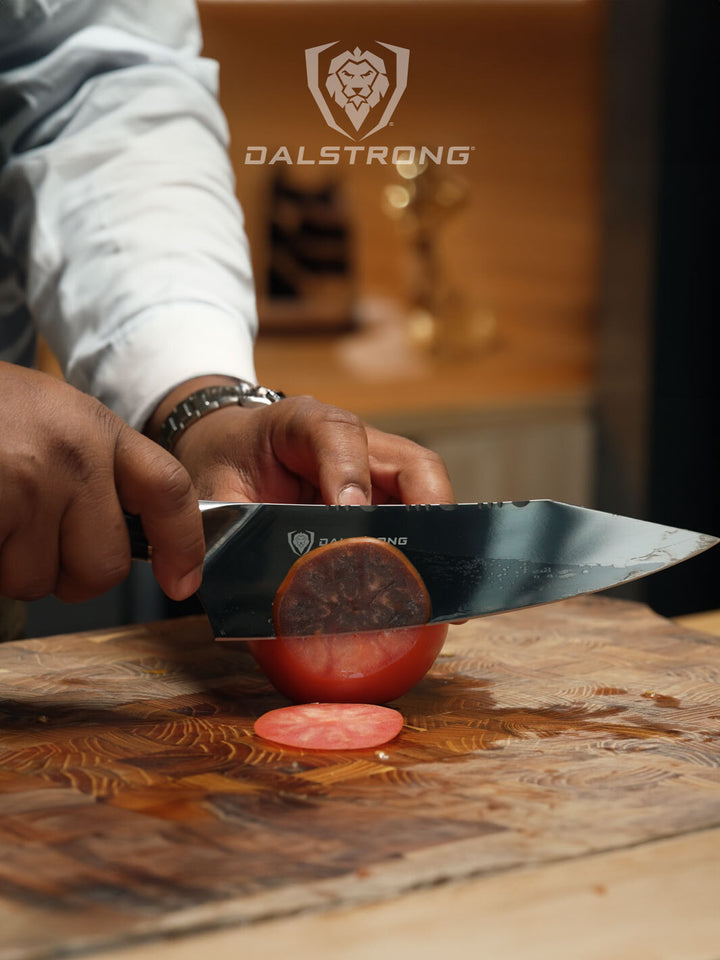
330 726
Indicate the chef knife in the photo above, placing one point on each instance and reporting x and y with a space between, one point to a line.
474 558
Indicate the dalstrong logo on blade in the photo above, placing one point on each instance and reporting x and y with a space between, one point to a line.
357 91
301 541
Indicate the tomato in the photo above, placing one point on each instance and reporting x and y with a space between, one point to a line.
330 726
341 617
366 667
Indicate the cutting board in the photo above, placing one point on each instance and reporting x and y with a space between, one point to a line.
136 802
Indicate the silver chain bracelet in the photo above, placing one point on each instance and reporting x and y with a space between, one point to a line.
207 400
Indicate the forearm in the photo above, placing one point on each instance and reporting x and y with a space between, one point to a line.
137 265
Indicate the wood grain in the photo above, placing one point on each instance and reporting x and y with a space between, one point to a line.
654 902
136 802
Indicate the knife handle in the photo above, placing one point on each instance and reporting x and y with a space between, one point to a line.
139 547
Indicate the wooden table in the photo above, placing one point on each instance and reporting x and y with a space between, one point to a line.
554 793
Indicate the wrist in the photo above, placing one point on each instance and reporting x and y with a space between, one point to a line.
204 400
177 395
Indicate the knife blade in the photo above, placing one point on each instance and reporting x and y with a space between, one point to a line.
474 558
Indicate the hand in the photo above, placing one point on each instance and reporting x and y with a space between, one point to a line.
68 468
304 451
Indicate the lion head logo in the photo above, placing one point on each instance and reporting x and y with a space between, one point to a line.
357 81
361 87
301 541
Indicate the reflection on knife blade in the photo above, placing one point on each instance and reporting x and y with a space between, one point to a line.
475 559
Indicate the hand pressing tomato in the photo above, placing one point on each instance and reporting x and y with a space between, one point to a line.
336 617
369 667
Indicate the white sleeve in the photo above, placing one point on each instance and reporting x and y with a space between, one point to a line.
122 201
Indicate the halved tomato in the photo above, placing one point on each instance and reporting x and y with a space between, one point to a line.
366 667
337 616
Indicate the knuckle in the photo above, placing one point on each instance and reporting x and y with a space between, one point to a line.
81 453
172 482
343 418
105 420
31 587
107 569
25 579
73 459
297 402
90 565
113 570
298 410
34 589
409 449
432 458
23 479
114 562
427 463
312 409
69 590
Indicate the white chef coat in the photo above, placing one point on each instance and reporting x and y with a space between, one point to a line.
120 235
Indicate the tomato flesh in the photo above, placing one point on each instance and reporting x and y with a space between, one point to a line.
330 726
366 667
352 584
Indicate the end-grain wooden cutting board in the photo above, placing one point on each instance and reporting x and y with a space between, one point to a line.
135 800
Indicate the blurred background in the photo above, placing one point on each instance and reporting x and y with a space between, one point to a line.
541 314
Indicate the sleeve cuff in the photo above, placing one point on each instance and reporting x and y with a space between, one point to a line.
162 348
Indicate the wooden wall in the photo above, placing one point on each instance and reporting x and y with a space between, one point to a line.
518 81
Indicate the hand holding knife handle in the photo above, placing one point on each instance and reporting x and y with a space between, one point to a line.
216 519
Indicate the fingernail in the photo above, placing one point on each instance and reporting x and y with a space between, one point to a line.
190 583
352 495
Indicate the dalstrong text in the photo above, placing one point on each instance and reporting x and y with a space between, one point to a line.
393 541
355 154
303 541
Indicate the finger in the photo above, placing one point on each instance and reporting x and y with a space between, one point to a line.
406 472
153 484
325 445
29 558
94 544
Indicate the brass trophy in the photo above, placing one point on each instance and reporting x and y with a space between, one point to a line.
443 319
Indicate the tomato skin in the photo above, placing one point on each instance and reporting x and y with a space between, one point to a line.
371 667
